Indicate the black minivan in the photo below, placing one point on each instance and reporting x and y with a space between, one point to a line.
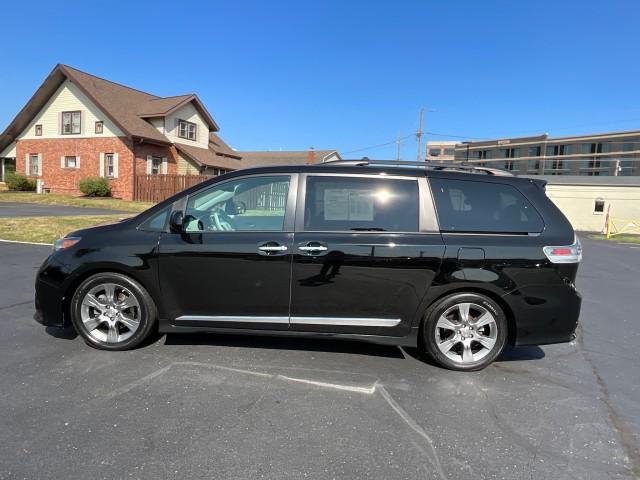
454 259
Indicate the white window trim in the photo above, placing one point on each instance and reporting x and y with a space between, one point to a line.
63 162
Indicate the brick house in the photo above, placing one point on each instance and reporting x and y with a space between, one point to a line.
77 125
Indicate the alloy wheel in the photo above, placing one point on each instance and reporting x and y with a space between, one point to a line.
466 333
110 313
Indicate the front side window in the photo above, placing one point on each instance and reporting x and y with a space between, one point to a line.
38 130
434 152
187 130
361 204
483 207
34 164
449 152
99 127
71 122
109 164
70 162
243 205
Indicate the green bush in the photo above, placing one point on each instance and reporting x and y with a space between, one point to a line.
19 182
95 187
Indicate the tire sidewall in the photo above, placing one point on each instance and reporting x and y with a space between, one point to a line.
433 314
147 310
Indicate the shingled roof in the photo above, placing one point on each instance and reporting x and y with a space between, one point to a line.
126 107
298 157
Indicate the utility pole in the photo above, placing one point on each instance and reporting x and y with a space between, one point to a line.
419 136
398 147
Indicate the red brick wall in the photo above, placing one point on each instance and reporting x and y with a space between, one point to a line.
143 149
65 180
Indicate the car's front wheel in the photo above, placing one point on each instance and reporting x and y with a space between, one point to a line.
112 311
464 331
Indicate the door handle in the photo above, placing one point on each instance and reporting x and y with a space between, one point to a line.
312 247
272 248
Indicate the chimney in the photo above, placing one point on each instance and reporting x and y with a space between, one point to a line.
311 156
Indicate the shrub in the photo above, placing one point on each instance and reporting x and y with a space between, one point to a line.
95 187
19 182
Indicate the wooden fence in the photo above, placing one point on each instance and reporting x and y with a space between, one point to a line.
155 188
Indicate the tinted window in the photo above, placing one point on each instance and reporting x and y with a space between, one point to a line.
246 204
471 206
366 204
157 222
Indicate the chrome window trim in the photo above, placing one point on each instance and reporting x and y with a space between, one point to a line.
428 214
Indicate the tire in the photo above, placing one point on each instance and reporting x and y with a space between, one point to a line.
113 312
464 331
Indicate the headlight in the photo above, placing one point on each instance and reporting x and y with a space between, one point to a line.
64 243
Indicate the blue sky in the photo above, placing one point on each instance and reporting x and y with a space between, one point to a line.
347 74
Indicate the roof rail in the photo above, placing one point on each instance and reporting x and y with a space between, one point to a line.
455 167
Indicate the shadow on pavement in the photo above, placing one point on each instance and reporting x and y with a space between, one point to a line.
68 333
282 343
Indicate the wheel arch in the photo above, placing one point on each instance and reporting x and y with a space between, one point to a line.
73 285
502 303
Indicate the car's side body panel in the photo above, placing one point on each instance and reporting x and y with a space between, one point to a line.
373 286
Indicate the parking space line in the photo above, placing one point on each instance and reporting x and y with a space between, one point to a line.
26 243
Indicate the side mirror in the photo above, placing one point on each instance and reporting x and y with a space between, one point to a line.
176 222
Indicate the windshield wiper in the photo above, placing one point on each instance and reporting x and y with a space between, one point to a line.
368 229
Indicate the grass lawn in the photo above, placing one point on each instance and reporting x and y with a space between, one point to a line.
47 229
618 238
53 199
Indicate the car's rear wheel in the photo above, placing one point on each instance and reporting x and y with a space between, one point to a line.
464 331
112 311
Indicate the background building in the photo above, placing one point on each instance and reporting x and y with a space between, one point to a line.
441 151
615 154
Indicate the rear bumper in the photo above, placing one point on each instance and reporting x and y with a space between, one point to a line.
544 314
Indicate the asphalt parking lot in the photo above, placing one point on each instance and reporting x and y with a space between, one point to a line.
231 407
19 209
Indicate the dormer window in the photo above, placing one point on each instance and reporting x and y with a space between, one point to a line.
71 122
186 130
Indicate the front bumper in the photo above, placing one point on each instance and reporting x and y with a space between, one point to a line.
49 293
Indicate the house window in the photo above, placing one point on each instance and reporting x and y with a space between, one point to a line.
38 130
450 152
186 130
156 165
599 206
71 122
434 152
99 127
34 164
109 164
71 162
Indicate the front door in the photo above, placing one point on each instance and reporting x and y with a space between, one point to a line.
366 251
231 266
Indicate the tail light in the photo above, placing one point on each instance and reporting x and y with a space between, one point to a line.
565 254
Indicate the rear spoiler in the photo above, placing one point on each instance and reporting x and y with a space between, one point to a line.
538 182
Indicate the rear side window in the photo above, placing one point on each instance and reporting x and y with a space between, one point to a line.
483 207
361 204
